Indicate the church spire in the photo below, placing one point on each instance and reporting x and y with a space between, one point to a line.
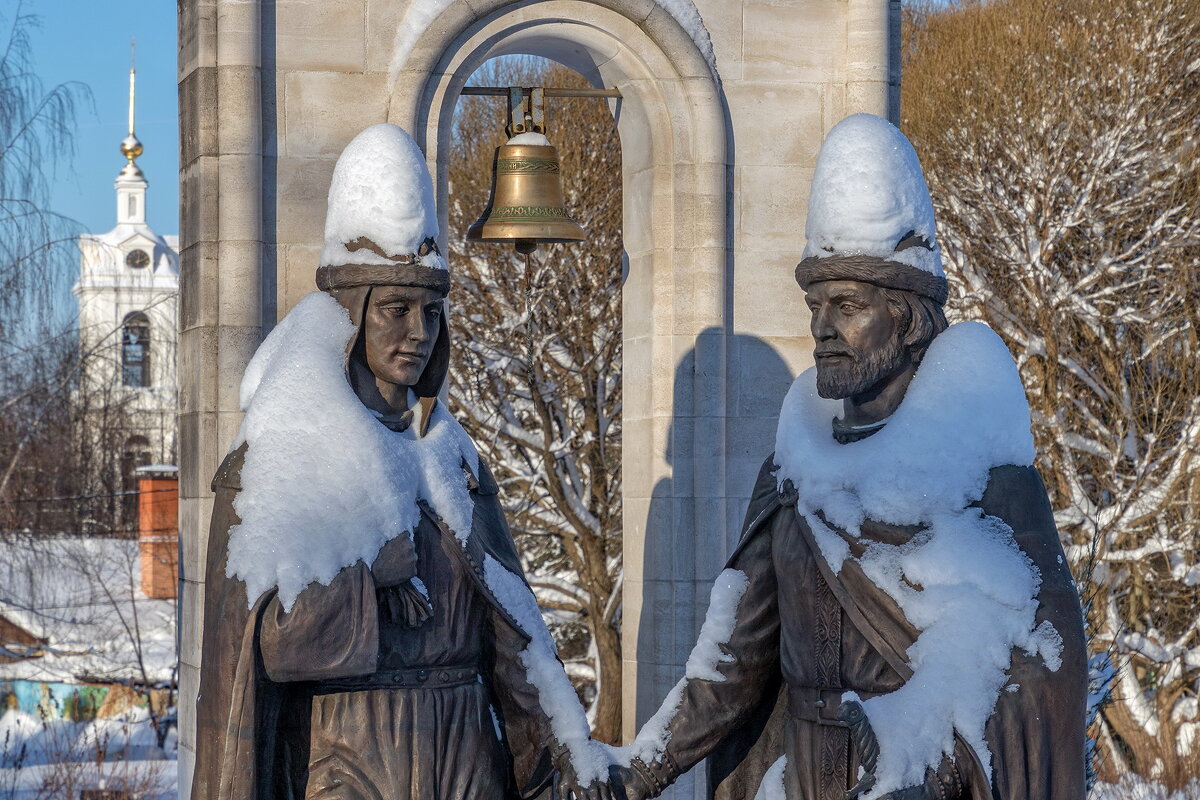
131 148
131 184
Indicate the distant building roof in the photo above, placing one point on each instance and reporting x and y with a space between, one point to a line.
75 613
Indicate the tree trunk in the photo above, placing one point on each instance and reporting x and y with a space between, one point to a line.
608 705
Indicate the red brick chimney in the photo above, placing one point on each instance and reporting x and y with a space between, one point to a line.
158 523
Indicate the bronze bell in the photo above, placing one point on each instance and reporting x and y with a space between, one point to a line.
526 206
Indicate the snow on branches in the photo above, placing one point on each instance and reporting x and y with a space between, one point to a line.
1059 144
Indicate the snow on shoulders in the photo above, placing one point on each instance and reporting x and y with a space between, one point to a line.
868 192
965 412
324 484
961 581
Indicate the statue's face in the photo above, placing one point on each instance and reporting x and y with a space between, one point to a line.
858 340
400 327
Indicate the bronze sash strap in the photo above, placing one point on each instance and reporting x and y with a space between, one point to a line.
980 786
436 677
813 704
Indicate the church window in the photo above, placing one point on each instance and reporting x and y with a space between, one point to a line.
137 259
132 205
135 350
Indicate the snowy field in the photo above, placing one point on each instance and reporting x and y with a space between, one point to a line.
1134 787
57 759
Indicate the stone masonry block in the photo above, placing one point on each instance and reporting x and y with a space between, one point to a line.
787 44
302 188
198 285
767 301
239 108
191 623
198 121
320 35
765 135
323 111
198 198
197 370
771 206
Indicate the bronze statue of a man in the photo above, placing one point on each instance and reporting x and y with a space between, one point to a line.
898 620
368 629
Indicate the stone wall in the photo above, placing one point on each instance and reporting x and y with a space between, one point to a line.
716 172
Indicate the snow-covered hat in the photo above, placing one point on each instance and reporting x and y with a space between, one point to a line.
869 214
381 224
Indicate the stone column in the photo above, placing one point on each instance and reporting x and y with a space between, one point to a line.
220 256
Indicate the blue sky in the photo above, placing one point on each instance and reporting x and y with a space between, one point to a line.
88 41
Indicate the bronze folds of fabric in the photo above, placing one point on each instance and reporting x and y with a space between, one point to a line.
872 269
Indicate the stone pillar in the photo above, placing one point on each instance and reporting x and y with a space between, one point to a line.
221 304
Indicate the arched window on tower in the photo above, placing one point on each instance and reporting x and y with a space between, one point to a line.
135 350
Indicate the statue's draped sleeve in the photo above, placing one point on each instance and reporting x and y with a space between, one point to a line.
329 632
1036 733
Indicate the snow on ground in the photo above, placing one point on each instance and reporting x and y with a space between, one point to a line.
380 190
83 596
58 758
324 484
964 413
420 14
1135 787
868 192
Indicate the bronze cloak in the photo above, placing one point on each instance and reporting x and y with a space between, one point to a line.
1035 734
240 753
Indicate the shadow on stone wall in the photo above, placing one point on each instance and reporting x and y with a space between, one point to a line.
682 554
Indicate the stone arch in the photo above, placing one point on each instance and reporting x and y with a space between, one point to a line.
675 135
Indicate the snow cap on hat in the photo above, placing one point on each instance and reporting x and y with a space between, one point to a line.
870 217
381 224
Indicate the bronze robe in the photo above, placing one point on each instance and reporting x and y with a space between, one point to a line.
333 699
804 636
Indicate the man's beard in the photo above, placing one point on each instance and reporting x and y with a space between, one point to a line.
862 371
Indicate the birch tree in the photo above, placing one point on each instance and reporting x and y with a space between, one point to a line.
1059 141
38 353
536 372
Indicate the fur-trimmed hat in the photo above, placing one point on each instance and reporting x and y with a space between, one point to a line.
381 230
870 217
381 225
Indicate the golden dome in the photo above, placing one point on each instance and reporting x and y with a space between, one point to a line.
131 148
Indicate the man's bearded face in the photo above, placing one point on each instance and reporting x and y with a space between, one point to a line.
859 341
400 327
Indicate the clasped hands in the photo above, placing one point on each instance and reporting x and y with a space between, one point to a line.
624 783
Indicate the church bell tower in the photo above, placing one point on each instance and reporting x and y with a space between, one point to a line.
128 293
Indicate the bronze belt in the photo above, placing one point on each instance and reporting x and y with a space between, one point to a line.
417 678
816 705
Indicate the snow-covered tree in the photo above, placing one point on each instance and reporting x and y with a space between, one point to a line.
536 371
1060 143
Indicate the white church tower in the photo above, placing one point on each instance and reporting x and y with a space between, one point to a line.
128 294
